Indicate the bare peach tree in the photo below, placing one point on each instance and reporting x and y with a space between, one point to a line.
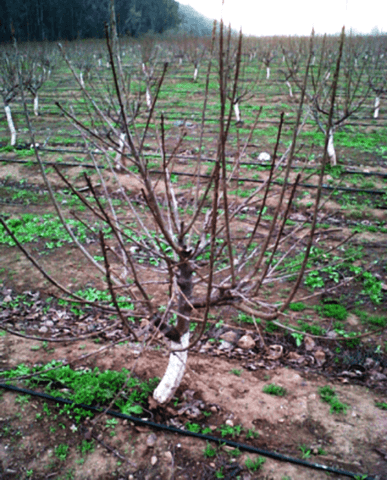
187 249
9 87
351 89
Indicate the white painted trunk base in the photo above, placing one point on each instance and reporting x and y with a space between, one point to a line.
237 112
331 150
290 88
173 375
267 73
148 97
121 145
195 74
36 105
376 107
11 125
81 80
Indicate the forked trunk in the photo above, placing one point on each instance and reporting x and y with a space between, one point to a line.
331 149
377 107
11 125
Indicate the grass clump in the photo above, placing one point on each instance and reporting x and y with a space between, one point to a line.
209 451
328 395
333 310
255 465
297 306
375 320
273 389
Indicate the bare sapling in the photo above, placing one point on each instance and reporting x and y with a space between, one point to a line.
349 91
149 55
9 88
35 70
268 55
377 78
175 257
195 49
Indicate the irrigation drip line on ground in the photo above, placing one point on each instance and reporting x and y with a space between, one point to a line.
159 426
159 172
191 157
214 119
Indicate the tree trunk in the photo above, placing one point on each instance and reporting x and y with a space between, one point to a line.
148 97
195 74
11 125
174 373
81 80
36 105
237 112
290 88
377 107
267 73
113 28
331 149
121 147
177 360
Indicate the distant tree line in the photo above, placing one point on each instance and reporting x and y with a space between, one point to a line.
52 20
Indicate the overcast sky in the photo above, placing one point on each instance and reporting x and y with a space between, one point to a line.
296 17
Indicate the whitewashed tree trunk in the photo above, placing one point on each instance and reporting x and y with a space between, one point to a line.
331 149
237 112
180 61
195 74
121 146
36 105
290 88
180 338
81 80
99 62
267 73
11 125
377 107
174 373
148 97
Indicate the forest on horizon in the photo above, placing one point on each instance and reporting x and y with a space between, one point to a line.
51 20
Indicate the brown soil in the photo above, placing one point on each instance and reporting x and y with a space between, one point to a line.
226 382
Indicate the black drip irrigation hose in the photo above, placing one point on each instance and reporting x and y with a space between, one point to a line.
192 157
210 438
159 172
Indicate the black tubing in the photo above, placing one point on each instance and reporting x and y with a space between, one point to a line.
220 441
305 185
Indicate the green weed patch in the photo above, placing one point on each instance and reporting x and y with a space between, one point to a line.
90 387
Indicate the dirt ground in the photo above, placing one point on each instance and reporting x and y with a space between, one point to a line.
223 379
292 425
